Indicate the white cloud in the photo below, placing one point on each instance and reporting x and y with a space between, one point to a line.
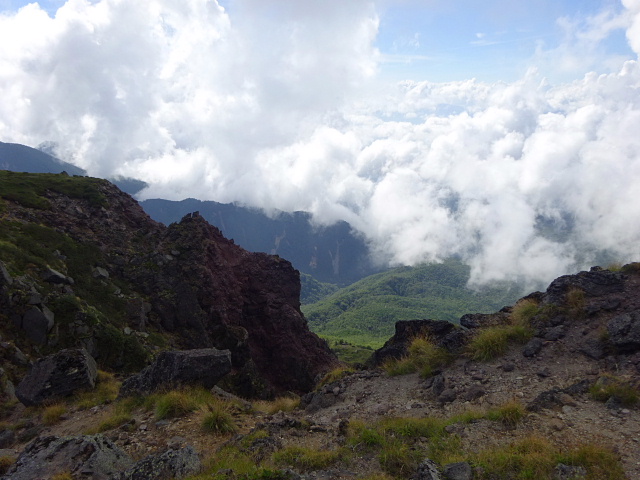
274 104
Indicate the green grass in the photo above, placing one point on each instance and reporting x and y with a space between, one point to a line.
29 189
280 404
53 414
365 312
509 414
336 374
217 420
493 342
609 386
307 459
423 357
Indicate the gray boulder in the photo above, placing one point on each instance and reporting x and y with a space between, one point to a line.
624 331
205 367
57 376
458 471
37 323
91 457
428 470
53 276
168 464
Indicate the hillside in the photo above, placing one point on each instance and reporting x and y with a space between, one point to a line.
365 312
84 266
546 389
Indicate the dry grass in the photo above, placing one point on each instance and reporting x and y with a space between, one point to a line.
280 404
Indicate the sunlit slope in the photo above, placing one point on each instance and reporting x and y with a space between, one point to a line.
365 312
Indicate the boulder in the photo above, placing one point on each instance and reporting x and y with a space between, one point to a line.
483 320
458 471
93 457
168 464
204 366
5 278
37 323
440 331
594 283
624 331
533 347
57 376
53 276
428 470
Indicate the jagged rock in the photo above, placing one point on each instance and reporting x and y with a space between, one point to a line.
457 471
37 323
594 283
100 272
5 278
447 396
406 330
57 376
92 457
205 366
569 472
474 392
168 464
483 320
53 276
438 384
428 470
593 348
314 401
533 347
624 331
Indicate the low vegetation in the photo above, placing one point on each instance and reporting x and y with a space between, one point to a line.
620 390
280 404
424 357
365 312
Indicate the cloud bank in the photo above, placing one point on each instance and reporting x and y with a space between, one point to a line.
275 104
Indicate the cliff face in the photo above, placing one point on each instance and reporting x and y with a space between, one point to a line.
130 279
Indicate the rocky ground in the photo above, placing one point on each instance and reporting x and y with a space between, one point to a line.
550 377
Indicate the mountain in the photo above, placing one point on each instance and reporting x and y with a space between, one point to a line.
333 254
365 312
82 265
20 158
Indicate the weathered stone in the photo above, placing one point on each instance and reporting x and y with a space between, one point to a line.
5 278
474 392
205 366
314 401
594 283
438 385
457 471
593 348
57 376
7 437
91 457
533 347
100 272
53 276
624 332
447 396
483 320
428 470
37 323
168 464
406 331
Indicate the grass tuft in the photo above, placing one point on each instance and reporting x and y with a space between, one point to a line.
280 404
5 464
610 386
509 414
423 357
218 420
53 413
307 459
336 374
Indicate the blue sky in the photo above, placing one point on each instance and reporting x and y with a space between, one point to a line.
492 40
435 128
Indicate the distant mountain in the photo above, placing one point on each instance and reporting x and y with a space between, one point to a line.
20 158
365 313
333 254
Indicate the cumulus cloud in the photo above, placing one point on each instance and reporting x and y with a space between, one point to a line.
274 103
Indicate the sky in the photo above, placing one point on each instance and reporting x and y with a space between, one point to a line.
501 132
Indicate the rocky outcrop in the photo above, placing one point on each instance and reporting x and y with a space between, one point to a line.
204 367
624 331
595 283
133 275
444 334
168 464
89 457
57 376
